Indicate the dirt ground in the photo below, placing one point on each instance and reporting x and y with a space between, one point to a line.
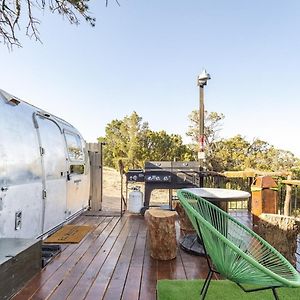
112 191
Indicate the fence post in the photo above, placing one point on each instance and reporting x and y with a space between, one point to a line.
96 179
288 197
264 197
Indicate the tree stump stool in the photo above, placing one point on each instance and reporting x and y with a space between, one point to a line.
185 224
162 233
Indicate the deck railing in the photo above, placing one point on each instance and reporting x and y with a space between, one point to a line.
289 190
244 183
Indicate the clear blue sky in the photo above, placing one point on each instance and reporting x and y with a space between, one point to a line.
146 55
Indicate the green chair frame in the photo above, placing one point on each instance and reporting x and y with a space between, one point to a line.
235 251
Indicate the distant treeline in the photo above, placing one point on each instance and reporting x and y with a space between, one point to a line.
131 141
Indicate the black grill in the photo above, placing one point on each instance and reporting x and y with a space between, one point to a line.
166 175
170 175
135 176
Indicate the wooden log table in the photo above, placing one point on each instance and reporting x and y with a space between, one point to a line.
162 233
184 221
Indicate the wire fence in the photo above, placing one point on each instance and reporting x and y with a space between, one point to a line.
294 207
245 184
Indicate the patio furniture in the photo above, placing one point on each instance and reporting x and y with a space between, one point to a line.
235 251
162 233
192 243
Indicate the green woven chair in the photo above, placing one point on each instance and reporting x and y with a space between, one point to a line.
235 251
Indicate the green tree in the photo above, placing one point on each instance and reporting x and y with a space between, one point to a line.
123 140
236 153
212 126
284 160
158 145
228 154
131 141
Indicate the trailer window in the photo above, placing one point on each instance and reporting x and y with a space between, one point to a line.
74 147
77 169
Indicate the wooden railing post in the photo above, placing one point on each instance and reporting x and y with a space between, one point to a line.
96 179
288 197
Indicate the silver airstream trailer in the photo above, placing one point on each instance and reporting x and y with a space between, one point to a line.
44 170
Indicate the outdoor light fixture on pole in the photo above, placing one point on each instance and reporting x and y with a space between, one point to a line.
201 82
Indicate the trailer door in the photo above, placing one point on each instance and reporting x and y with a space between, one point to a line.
53 156
77 185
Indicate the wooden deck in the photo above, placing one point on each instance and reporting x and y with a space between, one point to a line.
112 262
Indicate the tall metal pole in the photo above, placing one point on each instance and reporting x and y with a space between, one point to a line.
201 134
202 81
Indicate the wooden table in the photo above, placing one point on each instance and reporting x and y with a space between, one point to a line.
219 195
191 243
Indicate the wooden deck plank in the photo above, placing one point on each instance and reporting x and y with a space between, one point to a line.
164 269
177 268
171 269
67 251
56 279
100 284
117 282
90 274
70 280
195 266
149 276
133 281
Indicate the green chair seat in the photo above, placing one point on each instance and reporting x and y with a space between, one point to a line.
236 252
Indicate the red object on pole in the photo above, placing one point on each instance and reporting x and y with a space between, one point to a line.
201 142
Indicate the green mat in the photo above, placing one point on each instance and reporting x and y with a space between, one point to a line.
218 289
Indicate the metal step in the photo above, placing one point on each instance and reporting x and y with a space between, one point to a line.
49 252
